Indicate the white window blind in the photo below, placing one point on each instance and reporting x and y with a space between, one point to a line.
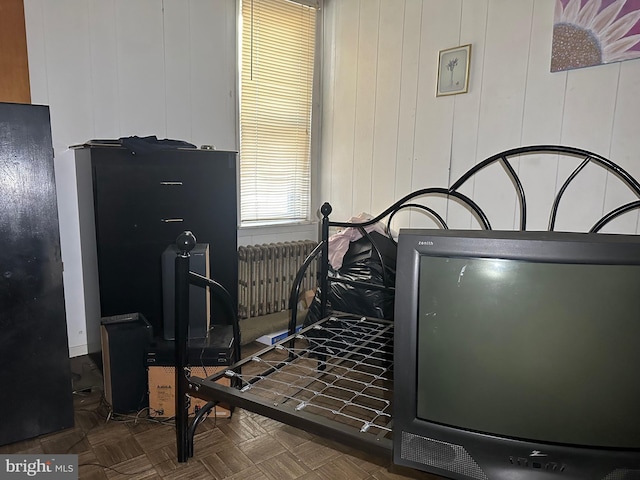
278 47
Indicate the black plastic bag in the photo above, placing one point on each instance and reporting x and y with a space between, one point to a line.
370 260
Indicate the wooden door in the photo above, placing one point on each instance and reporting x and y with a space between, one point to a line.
14 65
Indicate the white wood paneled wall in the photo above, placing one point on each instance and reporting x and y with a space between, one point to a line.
116 68
385 133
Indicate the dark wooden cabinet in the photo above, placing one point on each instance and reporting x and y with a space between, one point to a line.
141 203
35 372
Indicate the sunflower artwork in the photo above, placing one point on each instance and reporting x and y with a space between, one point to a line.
594 32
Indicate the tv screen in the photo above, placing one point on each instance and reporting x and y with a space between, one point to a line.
517 353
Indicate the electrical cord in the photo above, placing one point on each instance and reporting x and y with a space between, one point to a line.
136 418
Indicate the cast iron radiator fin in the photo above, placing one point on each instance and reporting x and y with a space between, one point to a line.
266 273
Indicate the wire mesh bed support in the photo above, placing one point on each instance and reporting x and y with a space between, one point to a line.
335 377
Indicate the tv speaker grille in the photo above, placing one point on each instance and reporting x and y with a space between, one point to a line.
623 474
443 455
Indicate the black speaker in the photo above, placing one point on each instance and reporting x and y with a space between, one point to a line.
125 341
199 299
439 454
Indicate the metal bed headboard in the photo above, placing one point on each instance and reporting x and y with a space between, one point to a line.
409 201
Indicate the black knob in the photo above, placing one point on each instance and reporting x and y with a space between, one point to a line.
185 242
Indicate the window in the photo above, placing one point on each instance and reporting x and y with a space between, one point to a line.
277 63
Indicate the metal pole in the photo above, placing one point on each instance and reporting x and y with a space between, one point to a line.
324 264
185 243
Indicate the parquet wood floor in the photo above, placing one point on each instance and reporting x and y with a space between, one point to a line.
245 447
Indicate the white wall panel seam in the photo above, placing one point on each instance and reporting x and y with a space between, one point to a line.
356 101
611 136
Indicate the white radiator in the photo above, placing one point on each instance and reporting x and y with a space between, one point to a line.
266 273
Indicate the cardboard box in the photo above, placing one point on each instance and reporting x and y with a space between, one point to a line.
305 299
162 400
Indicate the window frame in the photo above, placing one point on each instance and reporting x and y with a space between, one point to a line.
255 227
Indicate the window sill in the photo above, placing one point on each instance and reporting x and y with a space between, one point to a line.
283 232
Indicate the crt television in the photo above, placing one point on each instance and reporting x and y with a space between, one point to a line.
517 355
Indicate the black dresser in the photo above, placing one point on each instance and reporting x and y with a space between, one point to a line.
141 203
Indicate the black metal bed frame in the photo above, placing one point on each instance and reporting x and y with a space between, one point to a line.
309 369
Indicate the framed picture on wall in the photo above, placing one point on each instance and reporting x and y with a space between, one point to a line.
453 70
